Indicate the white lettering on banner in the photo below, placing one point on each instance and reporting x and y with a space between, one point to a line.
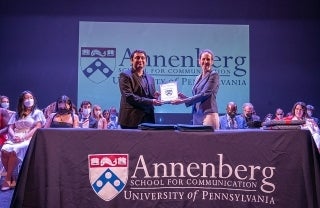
207 170
205 181
237 197
166 195
109 176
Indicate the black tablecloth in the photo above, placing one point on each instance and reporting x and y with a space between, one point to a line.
134 168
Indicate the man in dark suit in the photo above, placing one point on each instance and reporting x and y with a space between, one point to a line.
138 93
204 91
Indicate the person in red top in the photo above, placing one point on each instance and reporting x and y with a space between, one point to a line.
4 118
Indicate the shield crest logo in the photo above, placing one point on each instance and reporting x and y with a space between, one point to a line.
97 64
108 174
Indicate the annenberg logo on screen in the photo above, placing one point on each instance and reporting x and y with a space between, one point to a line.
97 64
180 180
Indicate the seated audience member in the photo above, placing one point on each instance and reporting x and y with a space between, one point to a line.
4 118
231 120
97 114
6 114
5 104
106 115
299 112
310 110
279 114
113 123
64 116
22 126
85 118
250 117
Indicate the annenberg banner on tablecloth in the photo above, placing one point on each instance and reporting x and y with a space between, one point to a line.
172 49
134 168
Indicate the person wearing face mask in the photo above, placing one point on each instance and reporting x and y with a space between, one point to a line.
5 104
231 120
85 118
204 93
249 115
63 117
4 118
97 114
22 125
310 109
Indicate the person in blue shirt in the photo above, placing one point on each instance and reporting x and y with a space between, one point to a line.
231 120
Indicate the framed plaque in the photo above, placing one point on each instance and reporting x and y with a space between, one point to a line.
169 92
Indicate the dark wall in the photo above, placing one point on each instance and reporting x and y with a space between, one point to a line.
39 44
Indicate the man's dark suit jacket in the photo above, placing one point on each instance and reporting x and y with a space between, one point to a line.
204 96
136 104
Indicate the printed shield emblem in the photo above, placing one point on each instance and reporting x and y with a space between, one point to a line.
97 64
108 174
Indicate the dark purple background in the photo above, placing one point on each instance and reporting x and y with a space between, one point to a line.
39 44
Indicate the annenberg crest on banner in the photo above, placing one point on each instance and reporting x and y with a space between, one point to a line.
108 174
97 64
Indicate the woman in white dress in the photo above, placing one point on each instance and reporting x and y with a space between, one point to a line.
22 126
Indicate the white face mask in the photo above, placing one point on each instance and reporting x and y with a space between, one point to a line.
5 105
86 111
28 103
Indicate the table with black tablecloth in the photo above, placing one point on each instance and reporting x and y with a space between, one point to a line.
168 168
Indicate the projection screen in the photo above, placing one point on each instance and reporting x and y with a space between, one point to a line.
172 49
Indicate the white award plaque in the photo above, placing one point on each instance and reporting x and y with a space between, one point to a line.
169 92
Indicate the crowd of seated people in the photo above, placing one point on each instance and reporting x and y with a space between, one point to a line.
21 127
17 127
